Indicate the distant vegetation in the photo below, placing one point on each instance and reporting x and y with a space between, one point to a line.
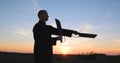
10 57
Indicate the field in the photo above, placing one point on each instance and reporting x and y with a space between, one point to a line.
7 57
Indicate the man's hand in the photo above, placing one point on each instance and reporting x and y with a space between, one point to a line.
59 38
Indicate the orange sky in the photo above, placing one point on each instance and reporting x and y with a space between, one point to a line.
62 48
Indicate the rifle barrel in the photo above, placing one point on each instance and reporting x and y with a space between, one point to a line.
87 35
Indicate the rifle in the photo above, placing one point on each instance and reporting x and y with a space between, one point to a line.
87 35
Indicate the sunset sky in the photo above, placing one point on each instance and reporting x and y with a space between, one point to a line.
102 17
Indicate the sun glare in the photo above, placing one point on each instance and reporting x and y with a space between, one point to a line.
65 50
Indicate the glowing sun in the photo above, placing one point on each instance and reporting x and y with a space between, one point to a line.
65 50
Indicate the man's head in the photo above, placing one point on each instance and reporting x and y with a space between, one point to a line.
43 15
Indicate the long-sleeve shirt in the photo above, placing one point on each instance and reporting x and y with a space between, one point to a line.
43 40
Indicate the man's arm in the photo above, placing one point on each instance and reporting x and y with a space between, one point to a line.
65 32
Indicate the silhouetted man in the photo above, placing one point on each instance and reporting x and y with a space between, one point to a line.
43 41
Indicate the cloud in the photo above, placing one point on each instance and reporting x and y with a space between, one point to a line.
21 31
86 27
36 5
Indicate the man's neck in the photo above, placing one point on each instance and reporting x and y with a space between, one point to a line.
44 22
